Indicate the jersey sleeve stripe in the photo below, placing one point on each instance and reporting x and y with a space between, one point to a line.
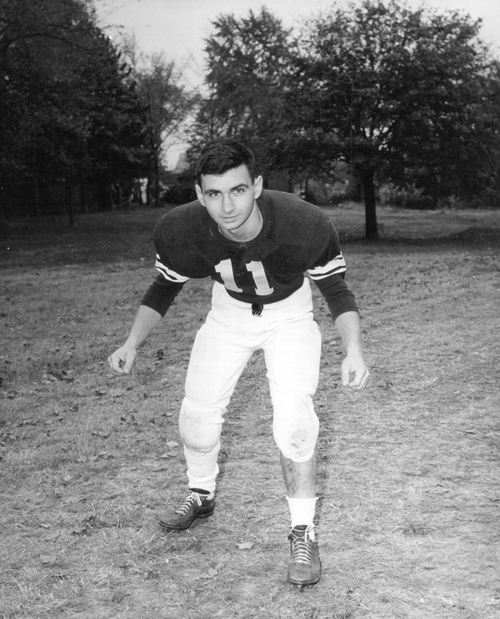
169 274
335 266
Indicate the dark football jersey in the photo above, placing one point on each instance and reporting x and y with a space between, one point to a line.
296 238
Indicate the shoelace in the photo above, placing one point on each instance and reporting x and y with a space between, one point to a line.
302 547
188 503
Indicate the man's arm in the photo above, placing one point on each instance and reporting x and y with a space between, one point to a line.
145 321
354 370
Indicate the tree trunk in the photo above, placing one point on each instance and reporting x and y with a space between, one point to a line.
109 196
157 181
83 195
368 183
36 190
69 203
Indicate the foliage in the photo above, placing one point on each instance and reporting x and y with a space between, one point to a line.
68 109
409 95
247 59
167 104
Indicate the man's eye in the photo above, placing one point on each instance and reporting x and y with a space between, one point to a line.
239 190
213 194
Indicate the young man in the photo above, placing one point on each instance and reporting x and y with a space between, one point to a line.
256 245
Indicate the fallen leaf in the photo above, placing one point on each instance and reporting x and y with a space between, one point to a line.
128 418
168 454
48 559
74 499
80 530
210 574
245 545
119 596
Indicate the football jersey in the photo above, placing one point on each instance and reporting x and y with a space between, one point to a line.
296 238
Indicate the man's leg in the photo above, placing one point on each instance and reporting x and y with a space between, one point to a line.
217 359
300 477
215 366
292 359
300 482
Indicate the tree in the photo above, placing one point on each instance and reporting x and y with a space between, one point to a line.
167 105
117 144
68 110
31 38
393 92
247 59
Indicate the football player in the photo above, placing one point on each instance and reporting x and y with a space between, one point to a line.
257 246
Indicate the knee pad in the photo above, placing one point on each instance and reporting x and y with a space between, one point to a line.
200 425
295 426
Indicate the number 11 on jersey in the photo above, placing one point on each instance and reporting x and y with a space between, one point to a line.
262 288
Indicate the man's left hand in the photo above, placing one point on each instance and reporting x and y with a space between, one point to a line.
354 372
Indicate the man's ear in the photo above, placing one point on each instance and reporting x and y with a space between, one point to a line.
199 194
258 185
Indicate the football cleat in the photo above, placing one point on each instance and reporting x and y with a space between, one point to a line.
305 566
195 505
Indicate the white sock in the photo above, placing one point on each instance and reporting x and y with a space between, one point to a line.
302 511
202 468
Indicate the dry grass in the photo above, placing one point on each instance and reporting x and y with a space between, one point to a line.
409 469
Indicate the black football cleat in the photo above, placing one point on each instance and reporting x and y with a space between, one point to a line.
195 505
305 566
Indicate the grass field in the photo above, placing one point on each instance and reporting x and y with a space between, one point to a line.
408 519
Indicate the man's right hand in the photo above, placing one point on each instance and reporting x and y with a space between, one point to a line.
121 360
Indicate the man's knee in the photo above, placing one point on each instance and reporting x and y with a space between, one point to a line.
295 427
200 425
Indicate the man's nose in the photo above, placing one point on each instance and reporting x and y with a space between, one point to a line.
227 204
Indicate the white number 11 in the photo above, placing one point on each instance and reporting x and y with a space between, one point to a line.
262 288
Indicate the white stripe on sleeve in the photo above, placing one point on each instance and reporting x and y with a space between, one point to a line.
335 266
169 274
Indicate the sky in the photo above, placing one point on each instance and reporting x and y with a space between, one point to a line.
178 28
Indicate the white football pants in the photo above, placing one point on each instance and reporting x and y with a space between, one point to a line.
291 341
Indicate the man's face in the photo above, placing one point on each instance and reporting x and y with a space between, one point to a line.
230 200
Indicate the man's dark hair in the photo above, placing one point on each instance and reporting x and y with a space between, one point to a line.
224 154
